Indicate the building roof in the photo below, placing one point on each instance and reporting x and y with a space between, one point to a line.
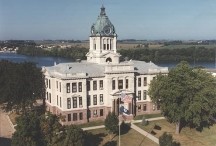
85 69
103 25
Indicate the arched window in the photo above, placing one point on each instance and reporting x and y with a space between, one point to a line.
109 59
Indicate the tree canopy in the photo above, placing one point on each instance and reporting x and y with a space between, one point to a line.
185 95
28 131
74 136
36 129
21 84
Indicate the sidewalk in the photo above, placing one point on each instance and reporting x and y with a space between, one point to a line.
6 127
133 126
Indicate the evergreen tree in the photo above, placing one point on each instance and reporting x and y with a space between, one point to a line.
167 140
28 131
75 136
53 132
112 123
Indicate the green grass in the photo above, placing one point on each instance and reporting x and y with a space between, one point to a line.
100 137
147 116
90 124
187 137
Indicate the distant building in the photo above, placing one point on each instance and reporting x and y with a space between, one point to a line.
85 91
212 71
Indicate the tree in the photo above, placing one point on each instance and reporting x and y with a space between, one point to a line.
74 136
167 140
28 131
21 85
112 123
185 95
53 132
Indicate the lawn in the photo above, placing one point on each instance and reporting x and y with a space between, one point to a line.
90 124
100 137
147 116
187 137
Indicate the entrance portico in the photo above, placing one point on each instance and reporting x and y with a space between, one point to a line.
123 104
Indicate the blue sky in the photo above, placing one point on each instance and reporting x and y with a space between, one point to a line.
133 19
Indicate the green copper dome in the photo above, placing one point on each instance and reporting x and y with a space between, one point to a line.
103 26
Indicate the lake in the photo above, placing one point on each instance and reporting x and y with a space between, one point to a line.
49 61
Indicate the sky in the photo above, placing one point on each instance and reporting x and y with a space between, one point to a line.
133 19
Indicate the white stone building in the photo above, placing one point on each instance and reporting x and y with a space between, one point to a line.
87 90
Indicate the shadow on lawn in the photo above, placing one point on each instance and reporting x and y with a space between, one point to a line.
5 141
125 127
94 139
110 143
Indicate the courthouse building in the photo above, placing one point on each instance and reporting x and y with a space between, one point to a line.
87 90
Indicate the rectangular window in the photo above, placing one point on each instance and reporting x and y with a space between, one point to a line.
145 81
101 112
68 87
88 86
69 117
74 87
60 102
101 98
95 46
80 86
57 99
139 82
68 103
80 101
59 86
46 82
104 46
56 84
144 107
47 96
89 100
126 84
89 114
49 85
95 113
107 46
139 107
94 85
139 95
120 84
74 116
81 116
95 99
74 102
101 84
144 94
50 97
113 84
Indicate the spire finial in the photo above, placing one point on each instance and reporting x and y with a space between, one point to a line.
102 11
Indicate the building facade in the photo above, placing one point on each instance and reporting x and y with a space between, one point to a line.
89 89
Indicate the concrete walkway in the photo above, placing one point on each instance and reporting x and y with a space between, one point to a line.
94 127
6 126
133 126
148 135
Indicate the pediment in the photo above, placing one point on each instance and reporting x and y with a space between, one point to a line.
109 54
76 95
119 92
